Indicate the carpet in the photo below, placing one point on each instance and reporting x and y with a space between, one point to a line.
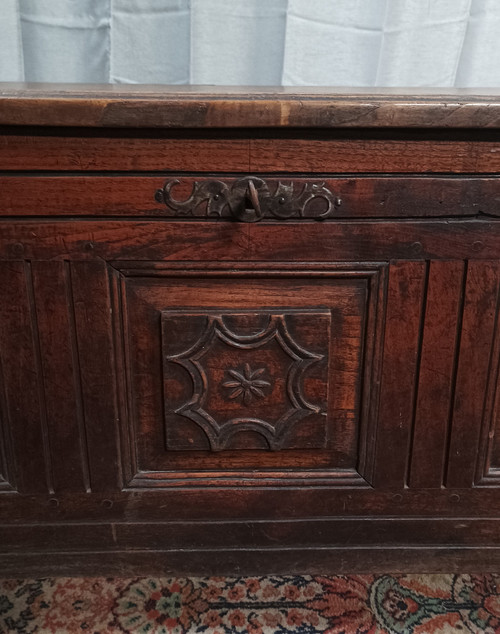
354 604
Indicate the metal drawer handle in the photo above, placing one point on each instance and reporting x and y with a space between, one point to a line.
249 199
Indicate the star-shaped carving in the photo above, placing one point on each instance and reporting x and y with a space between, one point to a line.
246 384
230 394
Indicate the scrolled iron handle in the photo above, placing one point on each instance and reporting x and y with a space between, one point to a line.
248 199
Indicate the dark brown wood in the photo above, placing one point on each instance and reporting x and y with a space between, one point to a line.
180 241
206 107
245 380
90 303
243 502
147 299
361 197
25 406
192 394
436 375
61 376
219 535
405 297
481 300
331 152
315 561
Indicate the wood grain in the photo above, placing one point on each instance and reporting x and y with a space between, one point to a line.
399 290
362 197
61 376
312 241
216 535
92 314
436 374
476 343
199 106
343 292
23 382
405 297
315 561
72 152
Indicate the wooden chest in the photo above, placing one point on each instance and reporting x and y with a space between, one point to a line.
248 332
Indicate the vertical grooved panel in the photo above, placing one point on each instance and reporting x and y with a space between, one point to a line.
49 473
61 377
435 383
23 383
486 466
476 343
92 314
405 303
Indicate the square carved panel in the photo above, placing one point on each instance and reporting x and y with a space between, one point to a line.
245 380
256 373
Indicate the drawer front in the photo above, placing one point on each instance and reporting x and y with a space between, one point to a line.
222 196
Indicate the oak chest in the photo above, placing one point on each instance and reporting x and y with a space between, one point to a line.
248 331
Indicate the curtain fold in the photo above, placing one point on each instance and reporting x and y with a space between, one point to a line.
406 43
479 63
11 43
422 42
236 42
150 42
65 40
333 43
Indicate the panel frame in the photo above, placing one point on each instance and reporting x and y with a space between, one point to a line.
375 275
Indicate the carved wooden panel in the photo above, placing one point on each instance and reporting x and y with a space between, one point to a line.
261 374
226 391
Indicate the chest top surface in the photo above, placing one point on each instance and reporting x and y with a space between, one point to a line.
86 105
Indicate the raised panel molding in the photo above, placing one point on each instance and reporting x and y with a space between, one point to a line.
246 372
198 422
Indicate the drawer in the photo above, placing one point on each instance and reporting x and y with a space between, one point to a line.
283 196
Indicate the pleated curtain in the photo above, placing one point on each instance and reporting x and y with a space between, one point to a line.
408 43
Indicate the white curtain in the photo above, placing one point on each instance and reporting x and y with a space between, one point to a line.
405 43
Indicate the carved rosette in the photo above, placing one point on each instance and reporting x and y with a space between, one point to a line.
251 199
245 380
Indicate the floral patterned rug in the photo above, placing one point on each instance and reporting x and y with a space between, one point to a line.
356 604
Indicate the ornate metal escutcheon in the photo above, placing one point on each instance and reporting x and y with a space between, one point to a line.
250 199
